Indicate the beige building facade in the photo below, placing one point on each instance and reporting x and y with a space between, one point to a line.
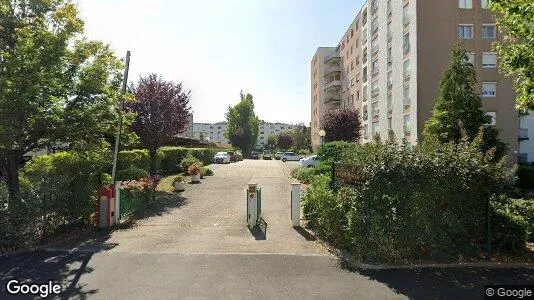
389 63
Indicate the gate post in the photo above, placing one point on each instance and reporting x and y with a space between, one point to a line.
295 204
252 205
116 216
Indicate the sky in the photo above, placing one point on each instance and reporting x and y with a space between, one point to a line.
217 48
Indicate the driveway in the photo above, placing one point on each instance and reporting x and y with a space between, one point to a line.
196 246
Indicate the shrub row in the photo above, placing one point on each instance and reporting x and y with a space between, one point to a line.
410 203
168 158
305 175
56 190
525 177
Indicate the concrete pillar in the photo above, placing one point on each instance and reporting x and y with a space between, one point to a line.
252 209
295 204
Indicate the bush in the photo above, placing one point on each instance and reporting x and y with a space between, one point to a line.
322 169
207 171
508 232
194 169
304 152
523 209
171 158
332 151
188 161
205 155
131 173
398 203
525 177
138 158
303 175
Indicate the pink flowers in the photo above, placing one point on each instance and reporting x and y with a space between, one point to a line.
140 185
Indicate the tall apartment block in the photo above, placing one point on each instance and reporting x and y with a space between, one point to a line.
389 63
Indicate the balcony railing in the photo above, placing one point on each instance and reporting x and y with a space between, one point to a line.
374 72
331 70
374 92
406 102
332 99
374 50
522 134
376 113
332 84
406 75
406 48
522 158
332 57
407 129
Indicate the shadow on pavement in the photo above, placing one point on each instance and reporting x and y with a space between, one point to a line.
164 204
305 233
448 283
260 232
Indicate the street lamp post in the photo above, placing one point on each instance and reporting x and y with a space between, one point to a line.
322 134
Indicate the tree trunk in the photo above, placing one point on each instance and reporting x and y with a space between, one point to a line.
11 170
153 161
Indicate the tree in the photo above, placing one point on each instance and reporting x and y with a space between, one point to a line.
55 86
302 137
272 141
516 52
285 140
458 109
162 109
341 125
241 117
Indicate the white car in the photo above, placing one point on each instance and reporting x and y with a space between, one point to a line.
291 156
310 161
221 158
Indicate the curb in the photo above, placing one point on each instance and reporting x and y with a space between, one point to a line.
352 262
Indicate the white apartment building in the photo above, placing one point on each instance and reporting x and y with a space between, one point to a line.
215 132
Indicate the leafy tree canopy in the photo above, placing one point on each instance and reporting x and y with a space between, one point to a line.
341 125
243 124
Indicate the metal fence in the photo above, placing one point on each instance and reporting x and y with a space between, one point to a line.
134 200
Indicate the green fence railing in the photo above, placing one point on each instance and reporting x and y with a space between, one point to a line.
134 200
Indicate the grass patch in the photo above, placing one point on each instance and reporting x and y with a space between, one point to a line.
165 184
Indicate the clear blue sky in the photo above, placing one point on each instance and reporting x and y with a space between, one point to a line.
216 48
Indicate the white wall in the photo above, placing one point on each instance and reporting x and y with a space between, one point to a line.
527 146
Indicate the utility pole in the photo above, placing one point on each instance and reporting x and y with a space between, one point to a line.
119 126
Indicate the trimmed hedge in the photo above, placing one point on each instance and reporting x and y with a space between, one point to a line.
131 173
168 161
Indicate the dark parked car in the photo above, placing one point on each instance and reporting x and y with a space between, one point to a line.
267 154
235 156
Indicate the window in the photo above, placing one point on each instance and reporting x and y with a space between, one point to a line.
374 67
406 43
374 46
352 81
406 123
364 18
389 124
489 31
485 3
406 68
364 74
352 65
406 94
357 77
364 59
465 4
365 115
365 93
351 33
374 128
405 15
365 131
465 31
489 60
390 81
493 116
489 89
470 58
357 95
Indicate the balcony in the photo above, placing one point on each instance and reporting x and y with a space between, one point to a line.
389 36
375 113
374 72
406 49
522 158
332 100
406 75
365 115
374 50
522 134
335 84
407 129
406 102
374 93
332 70
331 58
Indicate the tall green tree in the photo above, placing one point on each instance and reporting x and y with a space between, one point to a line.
516 52
458 109
272 141
55 86
243 124
301 137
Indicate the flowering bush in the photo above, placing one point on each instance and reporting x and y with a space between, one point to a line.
141 184
194 169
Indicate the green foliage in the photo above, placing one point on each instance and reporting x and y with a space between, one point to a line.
417 204
301 137
188 161
56 190
508 232
304 152
171 158
137 158
306 175
521 209
207 171
205 155
525 177
105 179
178 178
243 124
458 109
332 151
272 142
131 173
516 52
55 86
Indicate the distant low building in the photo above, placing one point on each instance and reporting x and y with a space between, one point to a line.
215 132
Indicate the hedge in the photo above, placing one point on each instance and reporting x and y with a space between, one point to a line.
412 204
525 177
168 158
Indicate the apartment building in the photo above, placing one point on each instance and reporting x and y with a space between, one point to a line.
216 132
525 136
389 63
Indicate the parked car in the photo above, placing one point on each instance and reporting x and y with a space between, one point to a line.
235 156
254 155
278 155
267 154
291 156
309 161
221 158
